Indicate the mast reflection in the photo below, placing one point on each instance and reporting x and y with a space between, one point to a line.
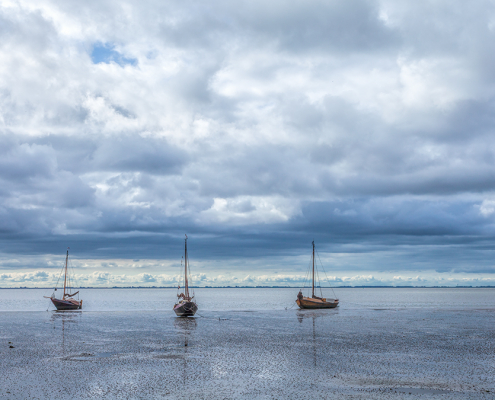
66 319
184 328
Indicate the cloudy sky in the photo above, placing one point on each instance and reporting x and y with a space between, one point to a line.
255 127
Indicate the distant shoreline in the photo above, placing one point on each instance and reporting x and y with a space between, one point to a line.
262 287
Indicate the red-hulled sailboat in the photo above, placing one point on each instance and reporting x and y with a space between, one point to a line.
66 302
185 307
315 301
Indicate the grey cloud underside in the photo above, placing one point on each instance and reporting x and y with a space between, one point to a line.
255 127
327 26
408 242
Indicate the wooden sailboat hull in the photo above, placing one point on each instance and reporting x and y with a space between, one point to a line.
185 309
310 303
66 304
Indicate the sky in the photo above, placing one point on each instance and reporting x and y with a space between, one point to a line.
254 127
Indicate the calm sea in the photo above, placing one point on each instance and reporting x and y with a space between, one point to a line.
256 299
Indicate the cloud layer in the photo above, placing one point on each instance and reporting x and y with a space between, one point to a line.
253 126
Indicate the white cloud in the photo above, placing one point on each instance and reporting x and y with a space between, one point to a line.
487 207
106 279
250 210
251 121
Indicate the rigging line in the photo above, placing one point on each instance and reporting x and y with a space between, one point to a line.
179 279
328 280
76 282
72 278
308 273
305 279
69 283
59 276
325 272
73 274
46 290
319 281
182 279
67 277
318 274
56 285
189 273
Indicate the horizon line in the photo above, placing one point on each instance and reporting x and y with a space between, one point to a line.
262 287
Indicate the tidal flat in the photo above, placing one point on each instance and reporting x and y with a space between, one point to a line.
374 349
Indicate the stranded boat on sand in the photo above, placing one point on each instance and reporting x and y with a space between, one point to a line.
66 302
315 301
185 307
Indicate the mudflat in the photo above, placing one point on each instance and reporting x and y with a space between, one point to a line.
361 353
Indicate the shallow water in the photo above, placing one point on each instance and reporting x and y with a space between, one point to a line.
126 343
254 299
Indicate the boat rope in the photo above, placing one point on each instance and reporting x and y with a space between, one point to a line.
220 319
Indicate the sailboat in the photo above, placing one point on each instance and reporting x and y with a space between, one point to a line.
185 306
315 301
66 302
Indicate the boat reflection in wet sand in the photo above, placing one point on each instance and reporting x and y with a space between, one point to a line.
185 307
186 327
66 302
315 301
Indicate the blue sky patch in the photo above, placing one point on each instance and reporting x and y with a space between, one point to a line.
105 53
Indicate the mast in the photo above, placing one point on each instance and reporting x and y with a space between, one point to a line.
65 275
313 294
186 292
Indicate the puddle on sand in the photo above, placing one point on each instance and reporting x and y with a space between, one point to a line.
104 355
88 356
170 356
418 391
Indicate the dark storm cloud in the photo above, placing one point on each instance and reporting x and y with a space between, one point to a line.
393 216
252 126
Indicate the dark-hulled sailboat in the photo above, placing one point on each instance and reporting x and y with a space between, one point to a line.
315 301
66 302
185 306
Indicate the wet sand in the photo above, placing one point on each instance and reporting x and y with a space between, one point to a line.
355 354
